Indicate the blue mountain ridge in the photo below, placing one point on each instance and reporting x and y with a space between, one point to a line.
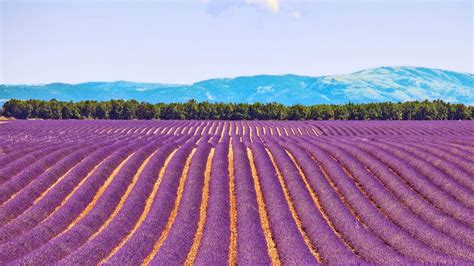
371 85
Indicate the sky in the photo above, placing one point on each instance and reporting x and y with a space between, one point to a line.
184 41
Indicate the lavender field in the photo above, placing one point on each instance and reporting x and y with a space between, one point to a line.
246 192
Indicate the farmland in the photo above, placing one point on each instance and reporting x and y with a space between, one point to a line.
246 192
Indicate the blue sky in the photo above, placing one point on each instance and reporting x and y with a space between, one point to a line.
181 41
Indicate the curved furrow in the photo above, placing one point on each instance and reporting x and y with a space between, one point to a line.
443 150
284 222
251 244
367 210
346 131
191 257
451 152
348 227
158 243
396 131
413 131
335 247
322 127
354 129
447 144
223 132
465 147
28 187
463 174
272 130
17 166
462 195
178 241
107 197
264 128
140 240
17 203
263 212
18 151
148 202
419 184
9 190
162 161
376 129
408 197
100 239
214 246
146 208
400 215
305 209
78 202
32 210
341 129
44 195
232 257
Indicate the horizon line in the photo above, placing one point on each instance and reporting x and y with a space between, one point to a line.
227 77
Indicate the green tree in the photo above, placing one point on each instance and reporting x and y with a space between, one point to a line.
70 111
298 112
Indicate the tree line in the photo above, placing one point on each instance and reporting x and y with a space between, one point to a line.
131 109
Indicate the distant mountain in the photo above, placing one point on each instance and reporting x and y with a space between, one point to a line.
372 85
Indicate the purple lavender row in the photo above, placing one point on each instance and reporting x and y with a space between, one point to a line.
442 143
23 148
36 213
389 232
436 196
459 170
29 173
363 240
32 190
15 167
44 135
100 246
92 250
331 248
180 238
290 244
214 248
408 197
434 175
403 127
141 243
60 130
59 220
93 218
442 147
27 197
20 150
447 146
454 143
252 246
453 153
401 215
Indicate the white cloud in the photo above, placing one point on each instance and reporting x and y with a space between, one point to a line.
218 6
272 5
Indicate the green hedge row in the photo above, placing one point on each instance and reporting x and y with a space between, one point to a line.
120 109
